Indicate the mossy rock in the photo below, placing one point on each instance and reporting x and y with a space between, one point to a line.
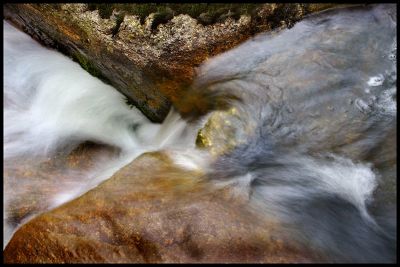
165 12
120 39
87 65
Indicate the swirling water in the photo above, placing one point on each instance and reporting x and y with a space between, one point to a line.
50 107
319 100
316 119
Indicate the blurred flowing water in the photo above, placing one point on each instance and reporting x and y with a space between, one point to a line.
314 130
51 107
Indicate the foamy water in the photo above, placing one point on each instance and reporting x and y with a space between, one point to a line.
51 105
317 102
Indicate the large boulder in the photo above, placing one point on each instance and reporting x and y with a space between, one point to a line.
35 185
149 52
153 211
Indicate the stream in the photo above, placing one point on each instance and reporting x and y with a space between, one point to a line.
309 137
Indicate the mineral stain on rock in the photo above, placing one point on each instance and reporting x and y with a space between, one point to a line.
150 211
150 50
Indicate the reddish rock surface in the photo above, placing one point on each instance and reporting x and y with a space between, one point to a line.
152 211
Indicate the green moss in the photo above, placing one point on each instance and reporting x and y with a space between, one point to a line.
205 13
161 18
119 20
209 13
141 10
105 10
289 13
129 102
88 66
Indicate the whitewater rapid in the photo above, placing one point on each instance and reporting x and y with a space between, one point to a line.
317 108
51 105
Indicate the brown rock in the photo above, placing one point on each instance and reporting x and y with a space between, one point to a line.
33 185
151 61
151 211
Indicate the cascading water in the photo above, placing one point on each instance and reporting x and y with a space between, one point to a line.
51 106
314 125
326 86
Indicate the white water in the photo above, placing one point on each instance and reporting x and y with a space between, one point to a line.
327 85
50 102
51 105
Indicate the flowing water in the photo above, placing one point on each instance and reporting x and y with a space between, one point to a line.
50 107
314 123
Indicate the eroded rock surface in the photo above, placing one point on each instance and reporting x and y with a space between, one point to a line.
151 60
152 211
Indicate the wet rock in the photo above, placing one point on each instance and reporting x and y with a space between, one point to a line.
304 98
38 185
223 131
149 52
152 211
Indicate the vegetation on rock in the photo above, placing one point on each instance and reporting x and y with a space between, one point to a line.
149 52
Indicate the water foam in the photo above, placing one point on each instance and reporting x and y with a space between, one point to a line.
324 199
51 105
